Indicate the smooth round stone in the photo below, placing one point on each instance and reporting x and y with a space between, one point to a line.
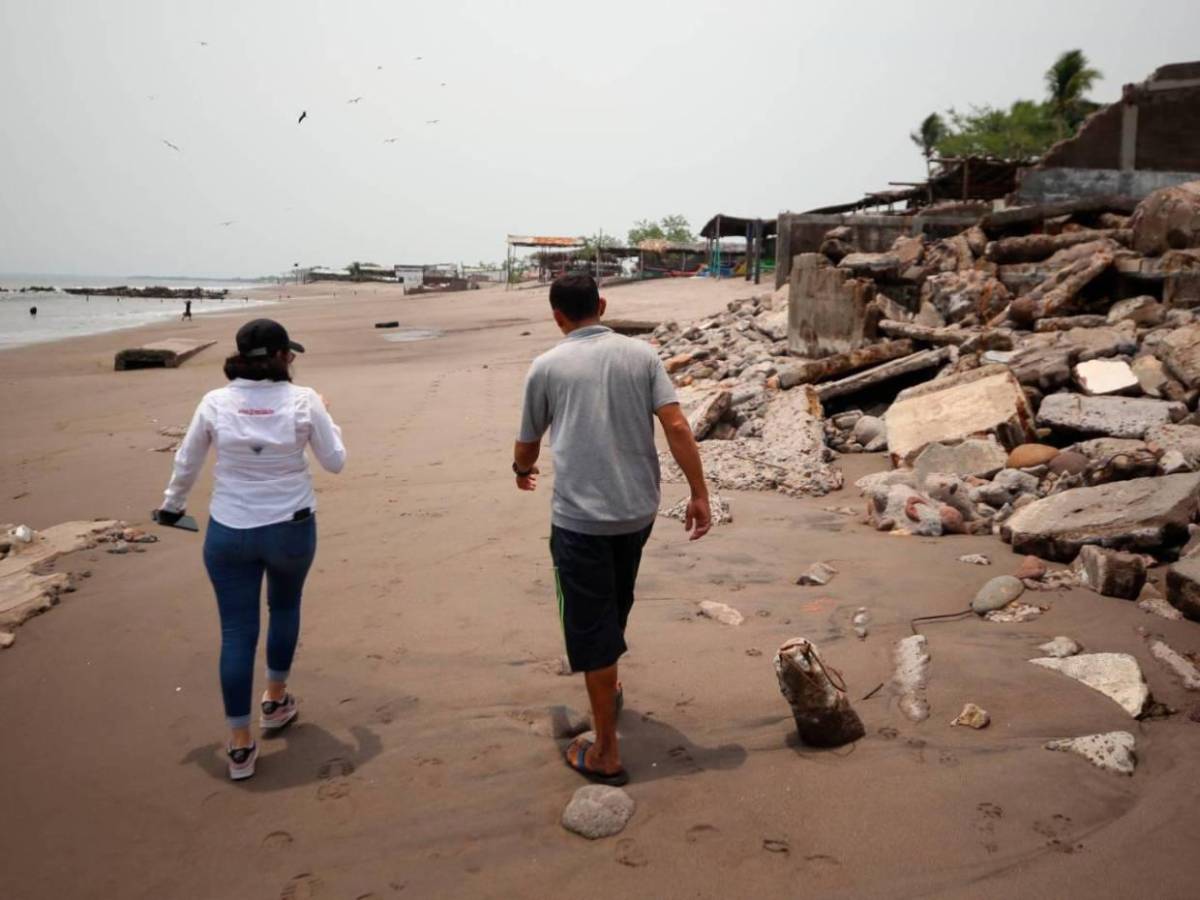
997 594
1070 462
1026 456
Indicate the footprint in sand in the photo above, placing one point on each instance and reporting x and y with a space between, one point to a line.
338 767
334 789
304 886
277 840
888 733
946 758
387 713
700 832
985 824
822 861
918 745
1055 828
681 755
776 845
630 854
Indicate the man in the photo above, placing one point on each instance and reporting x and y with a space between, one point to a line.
599 393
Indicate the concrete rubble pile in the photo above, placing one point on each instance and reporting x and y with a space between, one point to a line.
1035 376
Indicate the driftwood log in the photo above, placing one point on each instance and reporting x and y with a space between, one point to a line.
841 363
817 696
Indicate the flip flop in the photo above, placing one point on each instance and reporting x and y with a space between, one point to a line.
612 779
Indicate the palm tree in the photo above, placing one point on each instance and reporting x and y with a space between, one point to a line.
1066 83
929 134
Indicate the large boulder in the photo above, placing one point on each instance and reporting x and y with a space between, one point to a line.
1168 219
1126 417
983 401
1139 514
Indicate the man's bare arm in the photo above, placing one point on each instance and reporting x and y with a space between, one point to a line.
683 447
525 455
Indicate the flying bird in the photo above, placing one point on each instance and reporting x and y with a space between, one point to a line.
227 224
303 116
169 144
443 84
432 121
204 43
389 140
355 100
418 58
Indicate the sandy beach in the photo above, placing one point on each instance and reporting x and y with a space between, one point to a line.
430 653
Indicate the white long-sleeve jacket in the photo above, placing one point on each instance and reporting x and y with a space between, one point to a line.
259 430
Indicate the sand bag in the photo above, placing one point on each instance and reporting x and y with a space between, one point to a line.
817 696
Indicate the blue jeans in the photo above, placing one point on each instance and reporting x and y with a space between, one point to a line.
237 559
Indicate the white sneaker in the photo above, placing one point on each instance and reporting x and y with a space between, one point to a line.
277 713
241 761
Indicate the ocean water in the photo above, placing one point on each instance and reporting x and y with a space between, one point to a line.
62 315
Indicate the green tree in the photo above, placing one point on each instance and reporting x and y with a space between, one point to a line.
1066 83
671 228
355 270
1022 132
930 132
644 230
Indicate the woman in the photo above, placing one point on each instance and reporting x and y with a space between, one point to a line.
261 518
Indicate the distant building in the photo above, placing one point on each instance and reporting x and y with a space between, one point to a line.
410 276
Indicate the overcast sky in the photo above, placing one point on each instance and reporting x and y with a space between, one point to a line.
554 117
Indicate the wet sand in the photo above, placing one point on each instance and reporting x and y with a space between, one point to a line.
430 633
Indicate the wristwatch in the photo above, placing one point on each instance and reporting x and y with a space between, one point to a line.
517 470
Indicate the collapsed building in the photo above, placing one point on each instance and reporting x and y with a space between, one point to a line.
1031 366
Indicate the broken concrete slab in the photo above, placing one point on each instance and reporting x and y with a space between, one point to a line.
720 612
1126 417
1183 583
988 400
1138 514
978 458
841 363
718 506
709 412
1151 375
1175 663
911 677
1180 353
1183 438
24 590
818 574
1106 376
926 359
168 354
1115 675
1144 310
1112 751
829 311
957 295
1111 573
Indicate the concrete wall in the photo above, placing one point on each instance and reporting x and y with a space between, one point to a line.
804 232
1052 185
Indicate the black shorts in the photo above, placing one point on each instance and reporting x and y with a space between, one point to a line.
595 574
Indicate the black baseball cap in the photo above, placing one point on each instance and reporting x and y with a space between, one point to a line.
265 337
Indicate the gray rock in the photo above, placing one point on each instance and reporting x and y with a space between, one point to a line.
1112 751
598 811
1115 675
1151 376
869 429
1111 572
1173 462
952 491
1139 514
1143 310
975 559
819 573
970 458
908 511
996 594
1060 648
1183 438
1183 584
1127 417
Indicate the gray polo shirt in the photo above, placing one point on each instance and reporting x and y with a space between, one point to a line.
598 391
